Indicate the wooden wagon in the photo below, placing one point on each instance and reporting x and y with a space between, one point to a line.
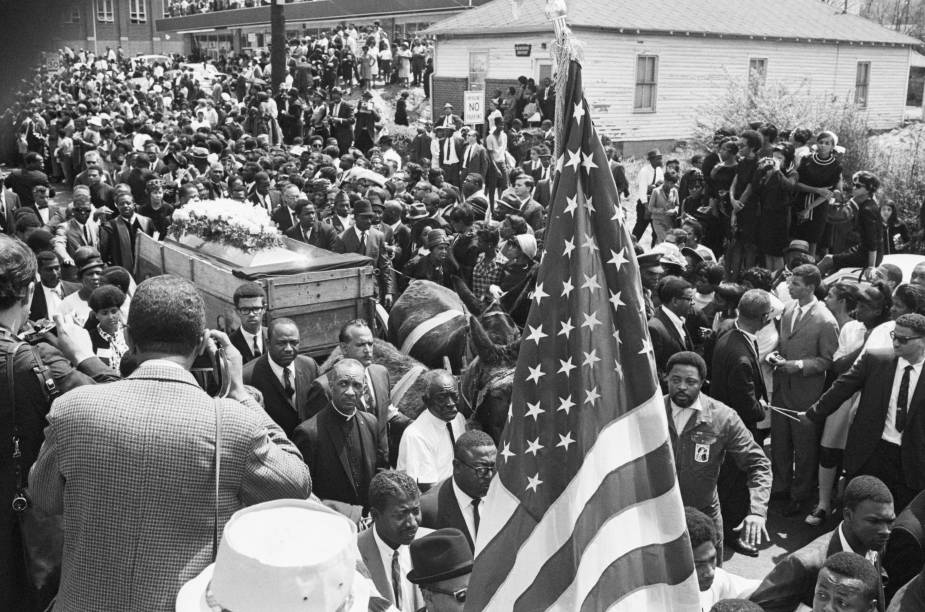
317 289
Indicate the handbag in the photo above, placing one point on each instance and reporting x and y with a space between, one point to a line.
42 535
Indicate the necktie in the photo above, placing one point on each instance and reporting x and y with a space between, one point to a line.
796 319
468 156
396 579
256 347
475 514
87 237
368 399
449 429
446 150
287 384
902 400
362 243
308 235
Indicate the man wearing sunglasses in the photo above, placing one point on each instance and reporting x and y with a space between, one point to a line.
442 565
887 436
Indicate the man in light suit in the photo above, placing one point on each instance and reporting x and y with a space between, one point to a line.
341 444
448 155
250 338
282 375
118 236
865 528
81 230
356 342
887 435
808 339
362 239
286 216
309 229
146 507
530 209
456 502
395 507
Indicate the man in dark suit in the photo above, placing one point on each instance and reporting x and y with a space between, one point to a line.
737 382
362 239
530 209
118 236
395 507
356 342
401 233
865 528
9 202
51 289
546 98
282 375
666 327
342 445
250 338
309 229
449 154
81 230
341 117
263 196
449 120
887 436
905 551
286 216
808 339
474 157
456 502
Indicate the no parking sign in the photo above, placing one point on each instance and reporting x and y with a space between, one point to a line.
474 107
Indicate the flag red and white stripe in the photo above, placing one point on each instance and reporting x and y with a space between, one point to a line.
585 513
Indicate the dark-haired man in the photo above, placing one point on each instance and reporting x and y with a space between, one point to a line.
158 470
715 583
666 327
702 432
849 582
456 502
887 436
118 236
309 229
251 337
395 507
865 527
282 375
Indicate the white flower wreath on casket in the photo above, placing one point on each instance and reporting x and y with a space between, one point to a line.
228 222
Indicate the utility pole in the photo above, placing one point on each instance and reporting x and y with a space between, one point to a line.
277 44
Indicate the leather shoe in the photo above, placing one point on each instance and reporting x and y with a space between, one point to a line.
793 508
742 547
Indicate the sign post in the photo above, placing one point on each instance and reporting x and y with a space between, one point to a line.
474 107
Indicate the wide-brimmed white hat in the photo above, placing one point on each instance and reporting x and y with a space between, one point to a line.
286 556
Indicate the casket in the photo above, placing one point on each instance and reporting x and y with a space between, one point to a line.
317 289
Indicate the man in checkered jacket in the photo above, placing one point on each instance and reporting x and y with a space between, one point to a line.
131 464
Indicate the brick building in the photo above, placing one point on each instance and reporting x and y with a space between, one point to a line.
97 24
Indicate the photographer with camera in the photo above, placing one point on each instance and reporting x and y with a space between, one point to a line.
148 470
31 376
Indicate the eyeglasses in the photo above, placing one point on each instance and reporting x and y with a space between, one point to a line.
482 471
250 311
857 184
903 339
459 595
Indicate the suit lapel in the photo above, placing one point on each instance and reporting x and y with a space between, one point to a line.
452 513
374 564
672 330
804 319
302 383
268 373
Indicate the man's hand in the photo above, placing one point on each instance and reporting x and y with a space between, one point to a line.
737 205
753 528
825 264
236 389
805 420
72 340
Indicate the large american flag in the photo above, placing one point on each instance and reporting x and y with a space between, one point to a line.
585 513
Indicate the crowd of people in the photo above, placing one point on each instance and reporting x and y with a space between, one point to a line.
179 8
751 340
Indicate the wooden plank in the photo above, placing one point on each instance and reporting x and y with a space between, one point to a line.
324 287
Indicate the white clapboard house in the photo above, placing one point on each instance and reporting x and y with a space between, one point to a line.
649 64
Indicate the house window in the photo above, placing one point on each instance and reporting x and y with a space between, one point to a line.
137 11
757 73
646 83
104 11
862 84
73 14
478 70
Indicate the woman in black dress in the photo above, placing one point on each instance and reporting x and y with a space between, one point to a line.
774 184
868 250
819 176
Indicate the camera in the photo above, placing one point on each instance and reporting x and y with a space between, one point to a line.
211 371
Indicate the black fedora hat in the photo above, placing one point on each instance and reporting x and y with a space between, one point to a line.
440 555
362 208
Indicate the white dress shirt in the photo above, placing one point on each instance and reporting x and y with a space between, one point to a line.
801 312
426 452
681 416
726 586
249 339
52 299
466 509
404 561
677 321
278 373
76 307
890 434
870 555
648 176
